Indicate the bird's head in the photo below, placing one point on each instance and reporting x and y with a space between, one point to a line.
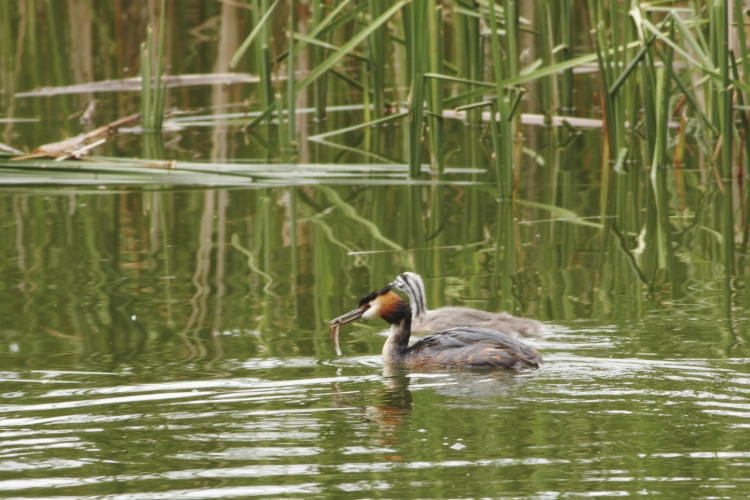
408 282
383 303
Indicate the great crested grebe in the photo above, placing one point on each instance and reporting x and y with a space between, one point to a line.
424 320
464 346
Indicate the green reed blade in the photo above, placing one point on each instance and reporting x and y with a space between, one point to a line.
692 101
319 26
634 62
320 43
262 116
360 126
253 33
358 38
687 37
344 19
523 78
516 103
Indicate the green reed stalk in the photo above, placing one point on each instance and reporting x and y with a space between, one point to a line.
742 40
727 129
318 54
153 101
262 54
377 50
513 42
160 89
346 48
55 43
435 86
740 109
544 45
742 96
712 93
567 54
727 228
476 59
367 112
146 104
495 131
608 66
663 96
283 131
416 51
649 103
291 94
608 146
504 170
31 57
6 51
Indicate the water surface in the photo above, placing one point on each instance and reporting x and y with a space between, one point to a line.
146 356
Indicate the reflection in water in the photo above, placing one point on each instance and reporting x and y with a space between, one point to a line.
154 272
392 406
278 426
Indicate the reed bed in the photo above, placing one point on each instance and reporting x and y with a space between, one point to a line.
419 61
668 80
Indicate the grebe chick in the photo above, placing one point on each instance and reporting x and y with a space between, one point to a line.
461 347
425 320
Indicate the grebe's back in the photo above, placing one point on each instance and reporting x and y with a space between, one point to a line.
424 320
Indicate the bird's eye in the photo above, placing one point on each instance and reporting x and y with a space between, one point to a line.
367 306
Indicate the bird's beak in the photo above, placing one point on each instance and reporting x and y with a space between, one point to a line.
342 320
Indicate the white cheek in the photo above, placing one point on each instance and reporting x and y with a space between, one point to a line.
372 312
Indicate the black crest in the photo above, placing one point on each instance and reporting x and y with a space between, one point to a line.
371 296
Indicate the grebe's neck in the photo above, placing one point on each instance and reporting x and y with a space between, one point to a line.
398 340
413 286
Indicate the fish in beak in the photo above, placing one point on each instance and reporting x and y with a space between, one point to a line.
342 320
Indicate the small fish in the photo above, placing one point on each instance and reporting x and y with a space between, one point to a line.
335 334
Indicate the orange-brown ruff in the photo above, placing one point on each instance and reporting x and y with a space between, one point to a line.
462 346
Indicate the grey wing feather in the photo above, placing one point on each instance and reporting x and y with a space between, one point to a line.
451 317
474 347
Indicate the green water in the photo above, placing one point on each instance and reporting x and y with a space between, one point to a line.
143 358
